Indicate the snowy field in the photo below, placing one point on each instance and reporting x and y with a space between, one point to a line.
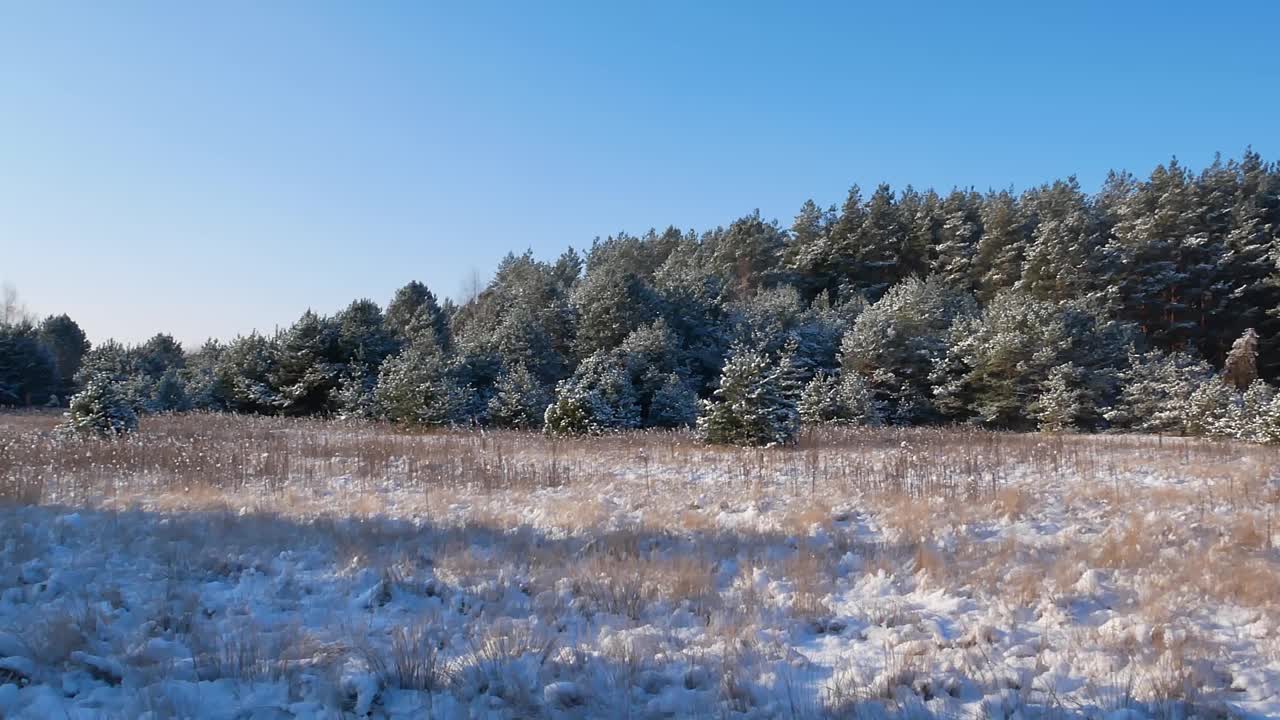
228 567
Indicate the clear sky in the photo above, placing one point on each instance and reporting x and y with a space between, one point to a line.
210 168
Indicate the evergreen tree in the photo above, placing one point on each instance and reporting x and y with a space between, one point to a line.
1208 408
998 363
520 400
354 398
751 406
820 402
159 354
416 387
1005 232
28 369
673 403
1062 401
599 397
748 253
308 366
1242 362
693 308
169 393
68 344
245 369
100 409
414 308
808 254
1157 389
612 299
1062 254
204 388
958 239
363 337
894 344
1164 256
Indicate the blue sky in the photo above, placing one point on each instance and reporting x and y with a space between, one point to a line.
206 169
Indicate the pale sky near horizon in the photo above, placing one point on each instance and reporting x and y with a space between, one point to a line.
208 169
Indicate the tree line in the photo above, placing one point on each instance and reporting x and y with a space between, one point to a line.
1151 305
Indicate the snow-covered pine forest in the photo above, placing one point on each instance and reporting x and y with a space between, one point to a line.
1152 305
578 537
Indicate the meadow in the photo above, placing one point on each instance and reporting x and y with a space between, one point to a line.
250 567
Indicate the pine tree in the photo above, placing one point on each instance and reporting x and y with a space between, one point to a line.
520 401
416 387
748 253
308 366
1000 249
245 369
100 409
1209 407
751 406
1165 256
820 402
413 308
28 370
808 256
68 344
204 388
673 403
599 397
1157 389
1062 254
353 398
958 240
160 353
998 363
894 345
610 302
1242 362
1061 401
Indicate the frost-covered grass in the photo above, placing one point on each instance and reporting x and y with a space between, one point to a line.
232 567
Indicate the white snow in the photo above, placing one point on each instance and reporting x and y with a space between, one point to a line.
699 598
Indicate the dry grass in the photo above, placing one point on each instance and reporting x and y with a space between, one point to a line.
957 509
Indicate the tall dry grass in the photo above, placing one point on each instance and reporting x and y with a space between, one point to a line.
181 453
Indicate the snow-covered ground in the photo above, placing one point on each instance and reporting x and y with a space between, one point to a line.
235 568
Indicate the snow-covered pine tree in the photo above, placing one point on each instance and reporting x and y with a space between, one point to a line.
807 256
308 366
416 387
1156 391
997 363
1005 229
1242 362
820 402
673 404
414 308
1267 423
100 409
599 397
68 344
894 345
958 239
244 368
353 398
751 406
1061 401
519 400
1207 410
1244 418
170 393
858 405
1062 253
